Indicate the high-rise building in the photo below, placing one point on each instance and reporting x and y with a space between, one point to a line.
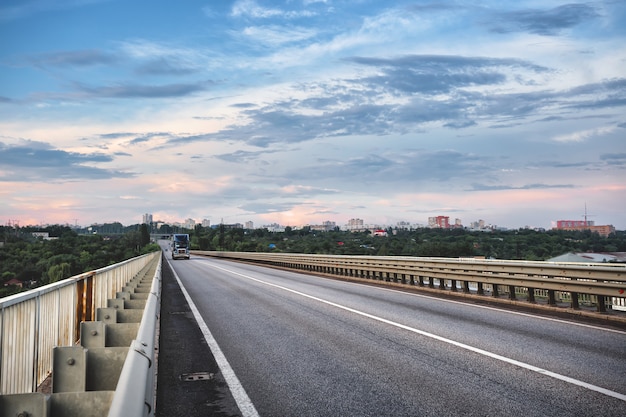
189 224
249 225
439 222
355 225
147 218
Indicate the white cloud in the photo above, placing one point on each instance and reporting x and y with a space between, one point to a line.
276 35
306 111
250 8
583 135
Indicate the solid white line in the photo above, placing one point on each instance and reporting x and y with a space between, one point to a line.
239 393
518 313
441 339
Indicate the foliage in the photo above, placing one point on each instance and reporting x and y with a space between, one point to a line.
523 244
37 262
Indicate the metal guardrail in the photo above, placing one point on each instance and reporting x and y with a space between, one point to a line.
600 284
34 322
135 391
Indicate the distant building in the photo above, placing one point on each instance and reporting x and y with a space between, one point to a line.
403 226
249 225
355 225
326 226
206 223
379 232
43 235
189 224
147 218
274 227
580 225
231 226
439 222
573 224
15 282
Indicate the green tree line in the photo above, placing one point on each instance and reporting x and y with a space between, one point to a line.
35 261
523 244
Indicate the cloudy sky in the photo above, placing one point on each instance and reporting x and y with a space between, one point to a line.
301 111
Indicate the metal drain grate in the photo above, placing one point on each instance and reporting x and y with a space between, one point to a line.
197 376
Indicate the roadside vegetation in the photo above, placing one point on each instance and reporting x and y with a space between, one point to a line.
34 261
523 244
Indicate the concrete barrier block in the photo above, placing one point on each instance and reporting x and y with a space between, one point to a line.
69 369
104 367
107 315
92 334
31 405
121 334
81 404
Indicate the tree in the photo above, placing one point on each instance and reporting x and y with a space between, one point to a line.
59 272
145 234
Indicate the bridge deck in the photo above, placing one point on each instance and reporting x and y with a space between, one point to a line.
188 382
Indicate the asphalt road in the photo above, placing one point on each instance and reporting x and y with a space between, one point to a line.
278 343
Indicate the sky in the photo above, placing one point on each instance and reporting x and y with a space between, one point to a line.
298 112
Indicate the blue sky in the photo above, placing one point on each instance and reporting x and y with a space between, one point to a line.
301 111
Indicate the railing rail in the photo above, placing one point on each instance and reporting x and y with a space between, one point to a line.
579 281
134 394
32 323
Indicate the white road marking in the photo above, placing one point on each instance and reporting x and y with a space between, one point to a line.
518 313
239 393
439 338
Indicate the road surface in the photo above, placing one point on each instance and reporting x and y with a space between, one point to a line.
268 342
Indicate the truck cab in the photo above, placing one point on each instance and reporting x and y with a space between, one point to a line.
180 246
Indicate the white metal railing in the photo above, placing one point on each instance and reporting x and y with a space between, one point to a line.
33 322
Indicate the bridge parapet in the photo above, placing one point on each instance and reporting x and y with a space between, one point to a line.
85 376
598 284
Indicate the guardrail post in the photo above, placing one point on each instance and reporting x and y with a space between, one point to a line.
494 290
480 289
466 288
92 334
70 369
575 304
442 284
531 295
511 292
601 304
453 285
551 298
106 315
